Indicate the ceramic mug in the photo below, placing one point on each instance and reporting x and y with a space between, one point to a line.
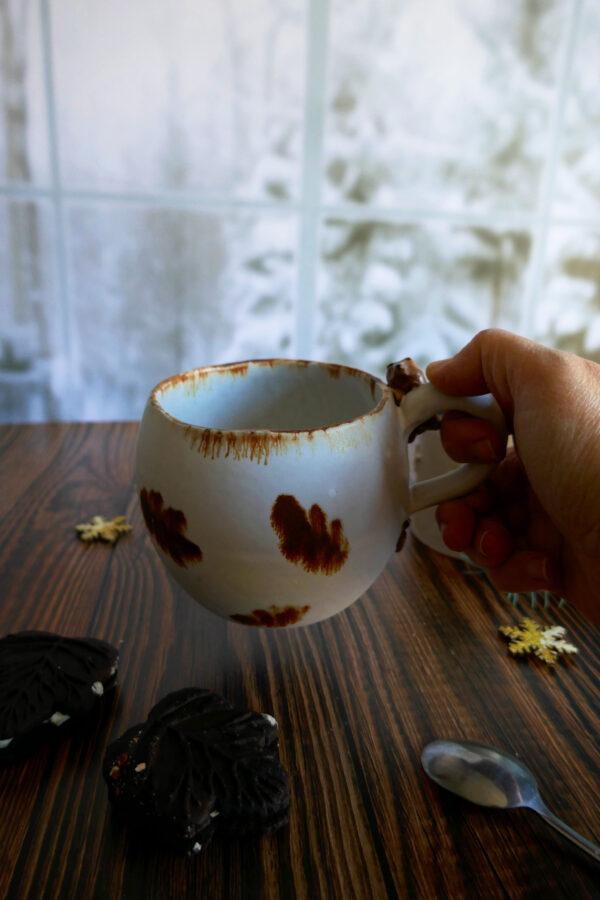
276 491
428 458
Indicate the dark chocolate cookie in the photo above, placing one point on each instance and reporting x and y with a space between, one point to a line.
199 766
45 681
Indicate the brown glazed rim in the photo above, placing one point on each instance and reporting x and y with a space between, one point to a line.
335 370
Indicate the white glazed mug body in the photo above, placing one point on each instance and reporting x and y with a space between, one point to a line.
275 491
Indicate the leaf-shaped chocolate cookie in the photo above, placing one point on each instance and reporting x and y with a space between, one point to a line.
199 766
46 679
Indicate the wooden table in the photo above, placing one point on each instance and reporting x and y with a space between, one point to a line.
357 697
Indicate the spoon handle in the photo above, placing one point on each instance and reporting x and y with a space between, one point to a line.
569 832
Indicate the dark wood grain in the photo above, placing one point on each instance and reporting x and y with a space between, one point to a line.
357 697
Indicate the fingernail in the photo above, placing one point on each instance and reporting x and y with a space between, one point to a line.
486 543
537 568
483 451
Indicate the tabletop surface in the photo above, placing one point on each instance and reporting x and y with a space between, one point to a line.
357 697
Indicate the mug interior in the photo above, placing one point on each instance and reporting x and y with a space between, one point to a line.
271 395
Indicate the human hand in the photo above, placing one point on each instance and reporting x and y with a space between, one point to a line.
535 524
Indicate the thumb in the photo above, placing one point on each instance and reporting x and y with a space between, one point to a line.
490 363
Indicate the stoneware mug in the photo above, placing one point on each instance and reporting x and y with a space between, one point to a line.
275 491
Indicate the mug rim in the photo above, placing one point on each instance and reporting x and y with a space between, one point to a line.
271 362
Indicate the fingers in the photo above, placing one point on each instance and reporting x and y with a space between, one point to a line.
457 522
527 570
489 363
490 545
466 439
485 540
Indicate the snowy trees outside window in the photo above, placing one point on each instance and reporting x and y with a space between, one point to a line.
186 183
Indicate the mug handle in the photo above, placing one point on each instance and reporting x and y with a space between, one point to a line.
417 407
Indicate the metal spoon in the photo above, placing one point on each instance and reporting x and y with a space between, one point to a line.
491 777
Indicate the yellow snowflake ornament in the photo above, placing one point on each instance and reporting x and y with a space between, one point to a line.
528 637
101 529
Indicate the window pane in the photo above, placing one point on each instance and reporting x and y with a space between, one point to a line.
579 171
158 291
443 104
388 291
199 95
30 324
24 153
568 308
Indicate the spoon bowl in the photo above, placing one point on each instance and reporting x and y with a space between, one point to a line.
490 777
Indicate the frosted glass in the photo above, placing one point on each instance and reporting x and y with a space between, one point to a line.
24 148
157 291
442 105
164 190
31 358
578 182
180 94
388 291
567 312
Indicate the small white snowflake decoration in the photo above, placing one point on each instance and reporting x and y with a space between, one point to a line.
529 637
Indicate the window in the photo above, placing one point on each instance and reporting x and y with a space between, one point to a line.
185 183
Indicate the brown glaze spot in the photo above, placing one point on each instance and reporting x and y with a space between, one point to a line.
167 527
200 374
183 377
402 539
307 540
240 368
403 377
273 617
253 445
